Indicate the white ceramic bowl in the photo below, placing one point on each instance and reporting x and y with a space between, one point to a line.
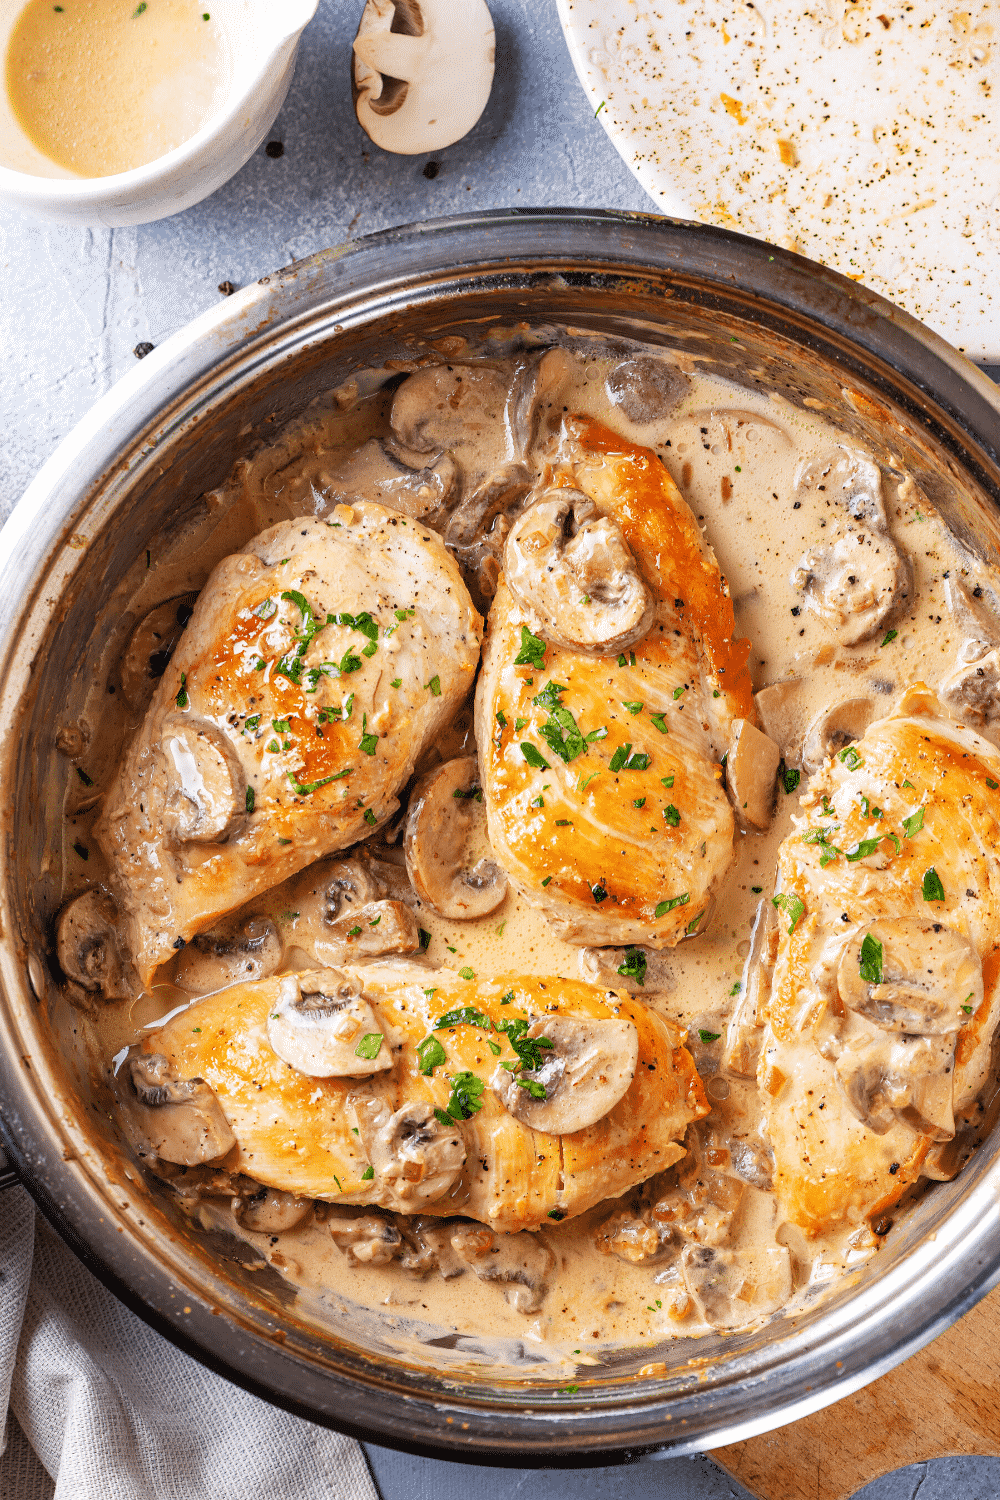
262 37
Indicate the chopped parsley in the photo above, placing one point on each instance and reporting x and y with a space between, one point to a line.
864 848
633 708
597 891
932 888
790 778
692 926
850 758
434 685
890 635
560 730
670 815
425 939
992 784
369 1046
870 962
534 756
913 823
251 799
397 682
466 1099
664 906
633 965
679 690
305 788
370 817
532 652
667 781
369 1172
368 743
793 906
660 721
624 760
430 1055
182 698
709 1036
638 802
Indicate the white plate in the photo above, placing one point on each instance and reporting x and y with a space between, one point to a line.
862 133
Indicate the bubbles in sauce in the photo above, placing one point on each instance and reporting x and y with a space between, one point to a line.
102 86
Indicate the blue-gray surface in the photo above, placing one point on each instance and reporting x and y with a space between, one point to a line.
76 303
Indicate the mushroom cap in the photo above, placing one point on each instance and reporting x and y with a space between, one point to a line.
320 1025
587 1071
833 728
415 1157
151 646
573 570
270 1210
928 973
446 822
177 1119
206 796
422 86
87 944
646 388
855 583
240 949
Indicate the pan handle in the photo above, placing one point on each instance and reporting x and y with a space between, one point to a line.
8 1177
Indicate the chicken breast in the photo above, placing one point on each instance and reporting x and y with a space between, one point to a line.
600 767
878 1019
317 665
423 1111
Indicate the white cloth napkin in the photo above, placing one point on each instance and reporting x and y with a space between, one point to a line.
114 1412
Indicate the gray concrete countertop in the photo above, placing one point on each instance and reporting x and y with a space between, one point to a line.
76 303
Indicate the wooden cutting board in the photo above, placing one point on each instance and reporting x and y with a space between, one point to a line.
943 1402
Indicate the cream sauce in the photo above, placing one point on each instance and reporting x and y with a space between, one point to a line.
735 456
102 86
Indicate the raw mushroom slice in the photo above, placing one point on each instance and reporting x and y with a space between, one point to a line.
270 1210
645 388
751 772
572 568
733 1288
176 1119
834 728
324 1027
151 647
520 1262
911 975
445 830
857 580
422 72
586 1070
206 798
242 948
415 1157
87 945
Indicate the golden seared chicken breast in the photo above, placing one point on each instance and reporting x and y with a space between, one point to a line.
318 663
513 1100
611 689
875 1028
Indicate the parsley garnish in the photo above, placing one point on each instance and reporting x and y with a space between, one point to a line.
534 757
425 939
430 1055
597 891
464 1015
633 966
182 698
368 744
790 778
932 888
633 708
890 635
466 1099
369 1046
624 760
370 817
679 690
659 721
304 788
664 906
532 652
864 848
560 730
434 685
667 781
991 784
501 719
870 962
850 758
793 907
913 823
251 799
369 1172
671 815
709 1036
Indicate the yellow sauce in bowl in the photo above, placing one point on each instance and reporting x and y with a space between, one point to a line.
103 86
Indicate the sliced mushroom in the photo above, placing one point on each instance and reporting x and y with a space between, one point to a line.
429 1248
381 472
177 1119
538 378
521 1262
978 622
324 1027
416 1158
901 1077
834 728
236 951
745 1032
585 1072
858 579
572 568
449 408
910 974
205 786
633 1238
368 1240
646 388
423 71
641 971
151 646
270 1210
342 917
445 832
751 772
87 945
733 1288
477 529
972 693
783 710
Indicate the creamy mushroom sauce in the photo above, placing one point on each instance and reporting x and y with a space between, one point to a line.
734 455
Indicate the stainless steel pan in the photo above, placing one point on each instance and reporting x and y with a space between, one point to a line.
132 471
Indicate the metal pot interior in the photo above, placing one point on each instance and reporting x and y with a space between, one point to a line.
765 321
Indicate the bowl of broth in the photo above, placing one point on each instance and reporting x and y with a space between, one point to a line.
116 113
